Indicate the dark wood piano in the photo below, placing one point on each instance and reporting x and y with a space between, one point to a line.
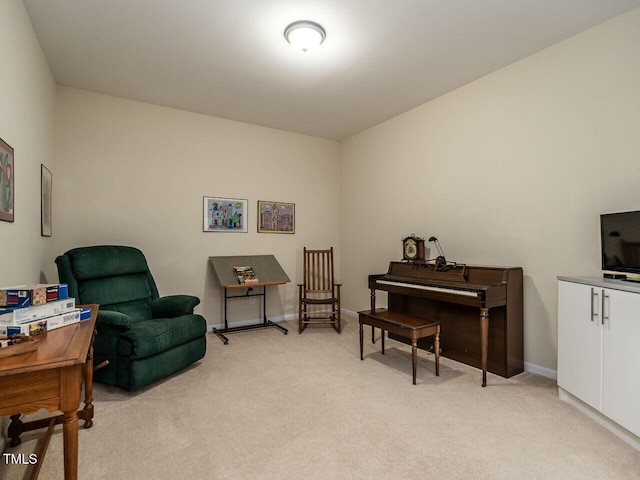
479 308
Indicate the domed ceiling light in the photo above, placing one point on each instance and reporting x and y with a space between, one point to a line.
304 35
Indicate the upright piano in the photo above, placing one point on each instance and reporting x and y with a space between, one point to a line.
479 308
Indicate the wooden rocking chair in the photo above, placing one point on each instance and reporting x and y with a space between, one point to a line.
319 295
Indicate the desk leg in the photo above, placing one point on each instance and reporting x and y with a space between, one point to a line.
361 342
484 340
220 335
70 385
15 430
70 439
87 411
265 321
269 323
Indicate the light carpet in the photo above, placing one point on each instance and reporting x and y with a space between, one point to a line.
274 406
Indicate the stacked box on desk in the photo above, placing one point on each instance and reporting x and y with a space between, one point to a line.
63 320
23 296
15 297
85 313
32 328
44 325
14 316
52 292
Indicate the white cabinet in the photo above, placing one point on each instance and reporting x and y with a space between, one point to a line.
580 342
599 346
621 359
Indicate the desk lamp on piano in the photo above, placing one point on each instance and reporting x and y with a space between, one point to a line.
413 252
480 308
440 262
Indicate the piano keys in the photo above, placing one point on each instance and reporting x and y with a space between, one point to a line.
431 288
480 309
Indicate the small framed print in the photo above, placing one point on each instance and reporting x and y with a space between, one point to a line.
276 217
7 182
46 184
224 215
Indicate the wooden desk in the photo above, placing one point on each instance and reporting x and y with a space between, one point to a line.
269 273
50 378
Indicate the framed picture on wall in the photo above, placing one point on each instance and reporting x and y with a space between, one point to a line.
224 215
46 189
7 182
276 217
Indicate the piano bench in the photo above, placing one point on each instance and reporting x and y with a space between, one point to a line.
403 325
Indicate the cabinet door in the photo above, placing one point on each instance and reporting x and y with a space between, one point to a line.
621 360
580 342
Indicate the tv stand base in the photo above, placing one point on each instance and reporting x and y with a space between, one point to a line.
615 276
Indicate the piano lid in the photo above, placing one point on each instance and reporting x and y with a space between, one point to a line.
485 275
427 271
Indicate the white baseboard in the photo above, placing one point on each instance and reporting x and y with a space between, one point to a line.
610 425
545 372
347 313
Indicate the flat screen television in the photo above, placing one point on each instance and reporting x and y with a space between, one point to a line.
620 241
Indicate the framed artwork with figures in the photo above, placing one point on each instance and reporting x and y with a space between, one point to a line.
7 182
224 215
276 217
46 185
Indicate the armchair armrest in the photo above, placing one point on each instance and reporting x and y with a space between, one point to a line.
173 306
113 319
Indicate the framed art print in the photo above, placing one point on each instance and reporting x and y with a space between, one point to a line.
276 217
224 215
7 182
46 183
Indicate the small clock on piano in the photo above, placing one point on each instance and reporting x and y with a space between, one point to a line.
413 249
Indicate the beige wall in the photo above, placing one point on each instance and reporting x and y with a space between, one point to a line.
27 92
130 173
513 169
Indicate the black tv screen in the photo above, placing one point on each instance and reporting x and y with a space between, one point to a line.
620 240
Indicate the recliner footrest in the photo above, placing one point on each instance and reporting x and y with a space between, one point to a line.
148 337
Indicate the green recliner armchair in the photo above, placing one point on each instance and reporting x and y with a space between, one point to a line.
143 336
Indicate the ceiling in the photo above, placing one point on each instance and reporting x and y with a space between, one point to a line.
229 59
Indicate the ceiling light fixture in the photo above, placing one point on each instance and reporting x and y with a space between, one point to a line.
304 35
